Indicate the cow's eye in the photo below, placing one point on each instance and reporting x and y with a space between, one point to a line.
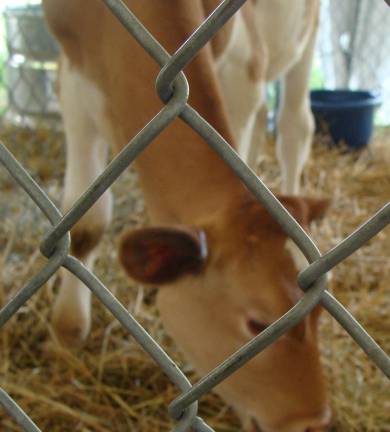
255 327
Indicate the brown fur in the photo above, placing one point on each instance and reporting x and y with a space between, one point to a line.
161 190
84 239
248 274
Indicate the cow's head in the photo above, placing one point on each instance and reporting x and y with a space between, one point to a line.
222 283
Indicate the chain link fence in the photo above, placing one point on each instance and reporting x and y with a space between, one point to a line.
173 89
354 49
29 109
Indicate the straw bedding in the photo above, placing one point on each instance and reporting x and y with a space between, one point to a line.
110 384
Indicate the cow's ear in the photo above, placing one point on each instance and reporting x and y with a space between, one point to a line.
160 255
303 209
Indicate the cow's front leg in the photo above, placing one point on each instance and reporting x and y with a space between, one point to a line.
86 155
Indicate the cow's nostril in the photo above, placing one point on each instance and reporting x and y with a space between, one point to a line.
317 429
255 327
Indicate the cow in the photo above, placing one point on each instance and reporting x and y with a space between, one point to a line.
219 259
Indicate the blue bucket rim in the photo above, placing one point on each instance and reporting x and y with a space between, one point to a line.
369 98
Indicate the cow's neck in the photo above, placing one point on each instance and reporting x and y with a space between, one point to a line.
181 176
183 179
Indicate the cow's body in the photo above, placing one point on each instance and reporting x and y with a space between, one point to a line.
210 304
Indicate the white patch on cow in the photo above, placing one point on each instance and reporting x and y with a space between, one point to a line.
244 97
87 132
83 107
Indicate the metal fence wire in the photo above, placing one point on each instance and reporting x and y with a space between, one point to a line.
28 67
352 51
173 89
353 48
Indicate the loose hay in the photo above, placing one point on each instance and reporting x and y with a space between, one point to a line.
111 385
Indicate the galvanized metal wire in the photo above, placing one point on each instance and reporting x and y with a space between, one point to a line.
172 87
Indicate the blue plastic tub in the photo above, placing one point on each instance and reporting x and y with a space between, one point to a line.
348 115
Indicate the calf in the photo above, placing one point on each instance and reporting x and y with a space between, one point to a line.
219 259
270 40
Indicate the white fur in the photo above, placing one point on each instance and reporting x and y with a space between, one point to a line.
86 156
244 97
286 41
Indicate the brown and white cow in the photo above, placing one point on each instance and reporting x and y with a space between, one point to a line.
211 303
